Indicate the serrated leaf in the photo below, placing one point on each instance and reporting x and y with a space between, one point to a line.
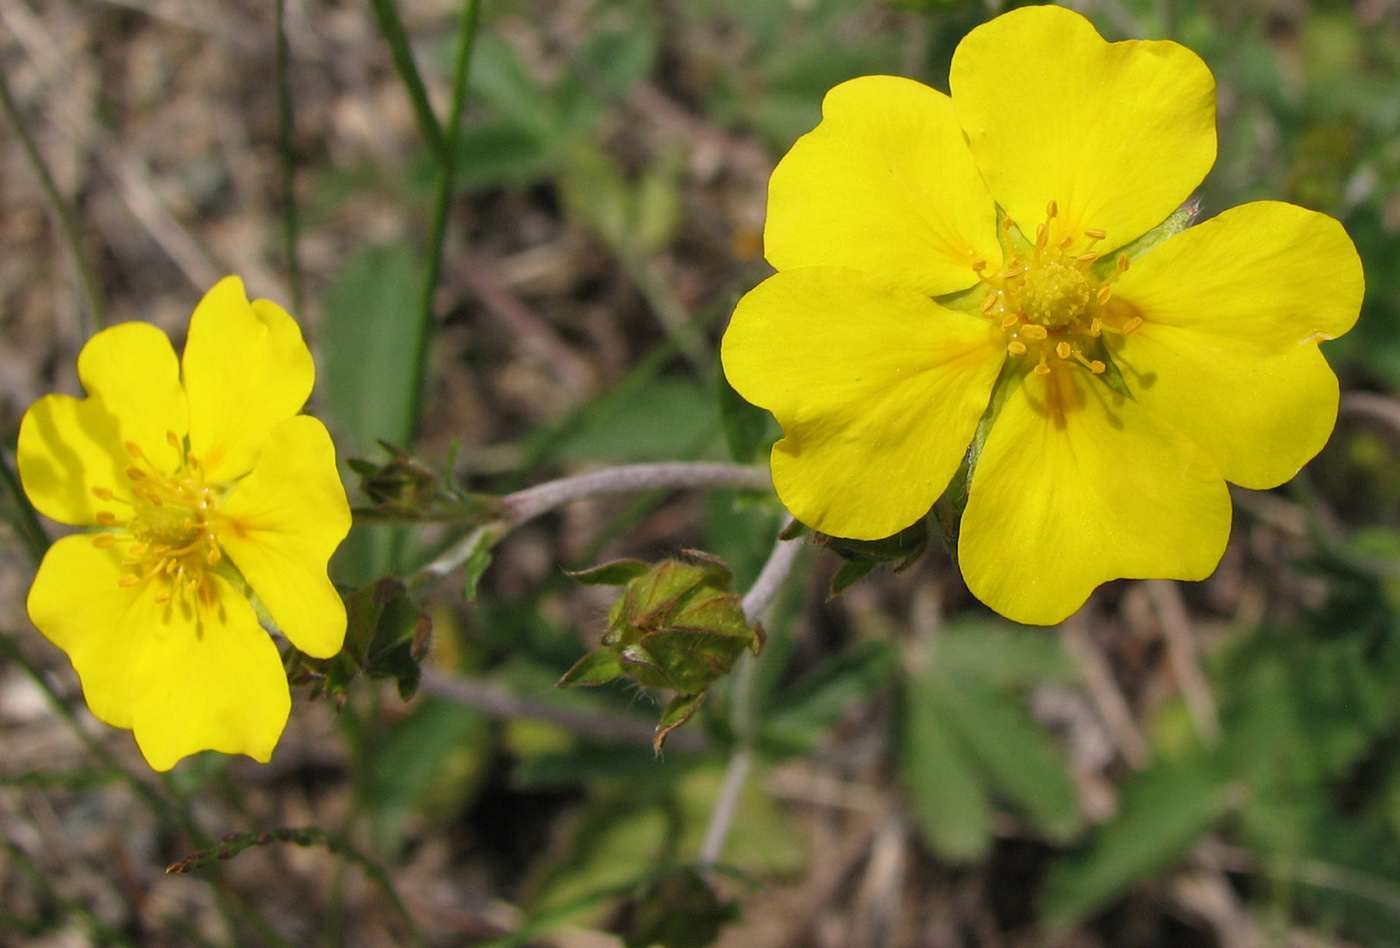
1164 811
1022 764
942 782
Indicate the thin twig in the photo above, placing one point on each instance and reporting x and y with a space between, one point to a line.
94 312
741 707
1184 658
533 501
497 702
1108 699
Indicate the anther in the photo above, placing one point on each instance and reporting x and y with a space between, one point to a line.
162 597
1132 324
134 449
1035 331
1096 366
979 265
1067 242
1010 320
1096 327
1042 235
1051 210
103 493
105 518
172 439
136 474
1105 292
129 580
1122 263
1007 223
1094 233
1041 368
1016 347
989 304
1062 350
103 540
1088 257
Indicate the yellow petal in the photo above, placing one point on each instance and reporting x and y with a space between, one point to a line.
281 525
1233 310
67 446
76 603
1077 486
1118 134
246 368
878 391
208 678
884 184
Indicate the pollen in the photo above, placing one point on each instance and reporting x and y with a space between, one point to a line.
167 536
1049 298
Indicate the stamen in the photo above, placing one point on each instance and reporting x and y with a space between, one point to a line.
172 439
1042 235
103 493
1052 210
1010 320
1096 327
1094 233
1123 263
1105 293
979 265
134 449
1016 347
105 518
1035 331
103 540
989 304
1062 350
1067 242
1007 223
162 597
129 580
1132 324
1041 368
136 474
1088 257
1096 366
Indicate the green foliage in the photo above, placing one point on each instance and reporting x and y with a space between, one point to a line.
967 741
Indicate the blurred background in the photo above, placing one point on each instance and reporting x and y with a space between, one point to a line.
1212 764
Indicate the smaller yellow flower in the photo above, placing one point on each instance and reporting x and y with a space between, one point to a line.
209 493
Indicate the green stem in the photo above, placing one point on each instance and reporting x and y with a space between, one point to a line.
94 308
286 128
387 14
36 540
442 203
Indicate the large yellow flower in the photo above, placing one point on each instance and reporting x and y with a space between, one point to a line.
207 487
944 260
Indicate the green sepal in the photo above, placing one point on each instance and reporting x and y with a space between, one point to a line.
616 573
898 552
678 711
386 636
595 668
678 626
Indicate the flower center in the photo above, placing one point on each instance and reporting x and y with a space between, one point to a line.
1049 301
169 532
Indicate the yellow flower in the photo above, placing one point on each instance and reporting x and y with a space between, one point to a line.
944 261
207 488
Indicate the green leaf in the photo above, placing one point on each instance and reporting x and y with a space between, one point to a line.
942 782
677 711
616 573
1023 765
805 713
1164 811
676 909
